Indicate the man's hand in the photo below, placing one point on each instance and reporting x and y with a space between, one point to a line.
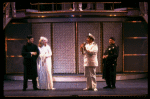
81 46
33 53
105 56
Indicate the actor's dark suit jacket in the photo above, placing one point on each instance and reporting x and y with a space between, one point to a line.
30 65
109 64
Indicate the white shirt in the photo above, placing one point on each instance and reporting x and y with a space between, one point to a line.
90 54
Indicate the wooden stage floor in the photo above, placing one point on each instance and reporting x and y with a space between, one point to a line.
135 87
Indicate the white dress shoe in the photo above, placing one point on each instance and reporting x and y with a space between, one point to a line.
95 89
85 89
53 88
73 9
80 9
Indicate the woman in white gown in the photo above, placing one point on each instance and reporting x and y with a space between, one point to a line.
44 65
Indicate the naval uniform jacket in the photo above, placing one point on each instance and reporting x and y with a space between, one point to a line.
90 54
30 65
110 62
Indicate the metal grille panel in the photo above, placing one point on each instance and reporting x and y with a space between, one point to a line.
41 29
64 47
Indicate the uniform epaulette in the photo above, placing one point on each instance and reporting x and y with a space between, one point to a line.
94 43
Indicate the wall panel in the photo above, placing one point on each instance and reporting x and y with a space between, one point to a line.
41 29
14 47
64 47
15 39
14 65
135 47
136 63
18 30
135 29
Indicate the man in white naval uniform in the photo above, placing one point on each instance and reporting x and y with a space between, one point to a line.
89 50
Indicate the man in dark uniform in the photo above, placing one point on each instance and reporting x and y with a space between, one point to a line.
30 53
110 63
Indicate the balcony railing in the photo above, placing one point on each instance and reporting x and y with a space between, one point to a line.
54 6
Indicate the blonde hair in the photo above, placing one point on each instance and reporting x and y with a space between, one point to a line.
40 43
41 39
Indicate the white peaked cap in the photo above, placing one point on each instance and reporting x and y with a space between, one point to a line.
91 36
43 38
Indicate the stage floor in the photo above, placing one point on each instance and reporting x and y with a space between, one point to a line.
136 87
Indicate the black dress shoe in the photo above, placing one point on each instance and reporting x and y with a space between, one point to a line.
113 87
106 87
35 88
24 89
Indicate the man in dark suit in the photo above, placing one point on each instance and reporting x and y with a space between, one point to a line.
30 53
110 63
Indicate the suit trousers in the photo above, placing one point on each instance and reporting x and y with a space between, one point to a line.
111 75
90 74
25 83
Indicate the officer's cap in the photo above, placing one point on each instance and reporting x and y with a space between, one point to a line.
91 36
112 38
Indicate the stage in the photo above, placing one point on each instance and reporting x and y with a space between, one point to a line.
66 30
134 87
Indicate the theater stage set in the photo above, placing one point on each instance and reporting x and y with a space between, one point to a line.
66 30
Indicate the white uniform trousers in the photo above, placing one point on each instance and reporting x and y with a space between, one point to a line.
90 74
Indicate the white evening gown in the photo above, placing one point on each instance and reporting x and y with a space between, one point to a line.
44 66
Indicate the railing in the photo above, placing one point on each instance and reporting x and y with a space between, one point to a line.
6 18
56 4
6 9
5 6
